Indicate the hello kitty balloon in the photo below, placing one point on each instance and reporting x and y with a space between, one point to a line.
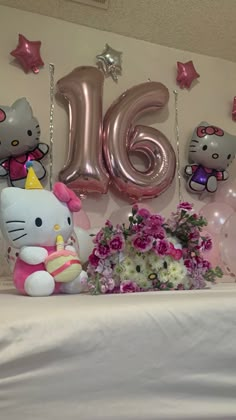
211 150
19 143
39 224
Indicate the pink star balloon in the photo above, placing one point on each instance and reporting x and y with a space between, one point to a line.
186 74
28 54
234 109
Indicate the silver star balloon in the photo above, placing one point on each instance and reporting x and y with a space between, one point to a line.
109 61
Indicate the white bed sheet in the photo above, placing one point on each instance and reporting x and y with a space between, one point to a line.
164 355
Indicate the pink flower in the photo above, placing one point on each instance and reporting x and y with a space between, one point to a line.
93 259
128 286
162 247
185 206
108 224
144 213
102 251
176 254
135 209
117 243
110 284
155 221
99 237
206 244
103 289
142 243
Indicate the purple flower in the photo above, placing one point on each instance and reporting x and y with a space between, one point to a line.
185 206
128 286
93 259
162 247
144 213
142 243
117 243
102 251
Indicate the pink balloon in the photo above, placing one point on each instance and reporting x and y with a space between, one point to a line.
227 245
121 136
226 193
81 220
28 54
216 215
84 170
122 215
186 74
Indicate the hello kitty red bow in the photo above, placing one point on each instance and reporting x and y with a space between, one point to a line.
209 131
64 194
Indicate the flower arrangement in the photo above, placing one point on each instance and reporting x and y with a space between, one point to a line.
151 253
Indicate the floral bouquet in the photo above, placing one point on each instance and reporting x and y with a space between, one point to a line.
151 253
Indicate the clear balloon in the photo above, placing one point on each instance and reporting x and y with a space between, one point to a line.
121 137
85 243
226 193
186 74
122 215
81 219
28 54
211 150
227 245
84 170
216 215
213 255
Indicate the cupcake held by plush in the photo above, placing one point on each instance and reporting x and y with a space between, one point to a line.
39 223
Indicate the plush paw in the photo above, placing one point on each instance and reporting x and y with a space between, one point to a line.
39 283
195 186
212 184
188 170
33 254
43 147
79 285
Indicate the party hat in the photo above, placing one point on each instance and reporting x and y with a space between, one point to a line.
32 182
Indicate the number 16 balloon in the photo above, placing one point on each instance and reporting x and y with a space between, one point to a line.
121 136
85 170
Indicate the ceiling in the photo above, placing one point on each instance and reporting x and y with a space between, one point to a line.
201 26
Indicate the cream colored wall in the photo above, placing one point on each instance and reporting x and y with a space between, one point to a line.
68 46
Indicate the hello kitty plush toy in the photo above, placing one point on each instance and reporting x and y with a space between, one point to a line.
19 143
212 150
39 223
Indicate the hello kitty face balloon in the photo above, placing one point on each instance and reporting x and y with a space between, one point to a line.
19 143
211 150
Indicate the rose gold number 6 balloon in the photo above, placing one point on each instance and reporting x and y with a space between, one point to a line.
120 137
84 170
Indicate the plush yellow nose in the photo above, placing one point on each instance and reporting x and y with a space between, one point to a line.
57 227
15 142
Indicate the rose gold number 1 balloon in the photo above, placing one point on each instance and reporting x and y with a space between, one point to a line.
84 170
120 137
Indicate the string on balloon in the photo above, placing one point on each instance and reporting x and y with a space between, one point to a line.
177 146
51 126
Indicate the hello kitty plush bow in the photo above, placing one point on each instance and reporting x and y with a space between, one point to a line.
210 130
64 194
